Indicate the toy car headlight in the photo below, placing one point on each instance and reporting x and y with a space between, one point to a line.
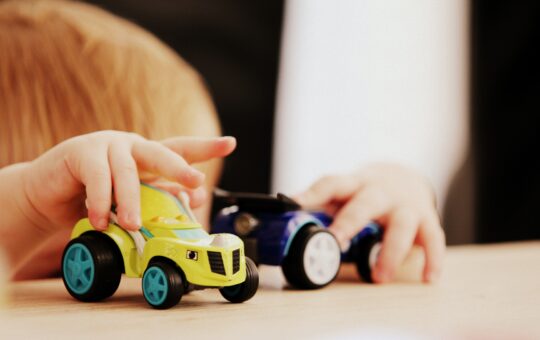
192 255
245 223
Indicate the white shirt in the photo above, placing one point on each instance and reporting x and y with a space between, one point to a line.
369 80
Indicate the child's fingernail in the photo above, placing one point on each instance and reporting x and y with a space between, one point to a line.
195 175
134 219
343 241
96 221
103 223
380 275
344 244
198 196
433 277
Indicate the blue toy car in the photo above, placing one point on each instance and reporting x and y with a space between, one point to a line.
276 231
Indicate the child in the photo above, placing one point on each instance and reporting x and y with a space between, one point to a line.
75 69
66 70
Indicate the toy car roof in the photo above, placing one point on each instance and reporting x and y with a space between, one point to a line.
159 202
254 202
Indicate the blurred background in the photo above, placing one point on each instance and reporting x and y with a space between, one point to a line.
311 87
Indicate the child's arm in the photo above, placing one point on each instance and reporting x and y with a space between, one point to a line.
399 199
76 178
19 233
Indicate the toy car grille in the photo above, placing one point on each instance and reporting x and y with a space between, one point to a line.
216 262
236 261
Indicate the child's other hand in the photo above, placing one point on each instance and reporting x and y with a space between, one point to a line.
399 199
79 175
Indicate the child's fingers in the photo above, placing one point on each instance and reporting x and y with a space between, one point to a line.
126 185
172 188
326 189
362 208
148 177
432 239
200 149
397 241
196 196
156 158
96 176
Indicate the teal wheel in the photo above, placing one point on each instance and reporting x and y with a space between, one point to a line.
79 268
162 285
91 267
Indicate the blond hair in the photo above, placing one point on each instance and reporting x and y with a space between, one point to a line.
68 68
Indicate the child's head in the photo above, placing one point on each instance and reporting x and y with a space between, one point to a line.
69 68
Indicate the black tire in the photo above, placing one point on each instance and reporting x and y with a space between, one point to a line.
293 264
107 267
360 253
171 277
245 290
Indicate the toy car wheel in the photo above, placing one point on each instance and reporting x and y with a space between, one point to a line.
91 267
245 290
313 260
365 255
162 285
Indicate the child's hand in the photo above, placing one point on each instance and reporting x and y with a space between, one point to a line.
396 197
83 171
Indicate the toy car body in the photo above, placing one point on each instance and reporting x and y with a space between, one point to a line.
176 256
276 231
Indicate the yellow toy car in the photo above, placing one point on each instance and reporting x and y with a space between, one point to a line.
171 252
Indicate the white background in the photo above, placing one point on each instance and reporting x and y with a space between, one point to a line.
371 80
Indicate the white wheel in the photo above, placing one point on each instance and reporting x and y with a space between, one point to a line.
313 260
322 258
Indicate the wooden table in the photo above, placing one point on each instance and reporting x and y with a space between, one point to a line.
486 291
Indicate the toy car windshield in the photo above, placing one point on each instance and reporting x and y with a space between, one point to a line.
257 202
191 234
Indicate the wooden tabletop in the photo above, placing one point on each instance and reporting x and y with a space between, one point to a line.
486 291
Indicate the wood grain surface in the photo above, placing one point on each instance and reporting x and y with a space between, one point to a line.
488 291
